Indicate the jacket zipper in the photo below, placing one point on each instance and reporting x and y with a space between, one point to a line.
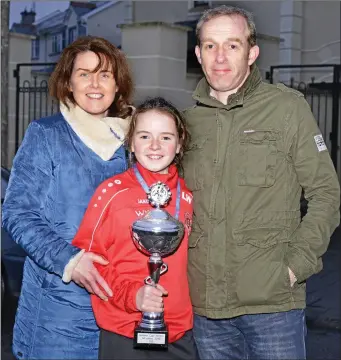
216 161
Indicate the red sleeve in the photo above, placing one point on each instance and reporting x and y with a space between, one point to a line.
125 291
96 231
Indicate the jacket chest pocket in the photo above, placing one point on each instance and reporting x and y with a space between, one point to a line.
194 164
257 158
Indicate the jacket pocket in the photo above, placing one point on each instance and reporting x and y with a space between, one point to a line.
193 164
196 233
263 280
261 245
266 228
258 156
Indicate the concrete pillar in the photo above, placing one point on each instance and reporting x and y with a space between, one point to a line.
291 22
157 53
130 6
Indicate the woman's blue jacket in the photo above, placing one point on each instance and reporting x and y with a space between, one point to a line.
53 177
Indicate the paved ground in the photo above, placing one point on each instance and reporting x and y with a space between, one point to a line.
323 310
324 306
324 289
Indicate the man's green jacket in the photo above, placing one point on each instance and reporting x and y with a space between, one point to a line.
247 164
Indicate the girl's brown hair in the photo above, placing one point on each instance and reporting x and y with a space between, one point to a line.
108 56
161 105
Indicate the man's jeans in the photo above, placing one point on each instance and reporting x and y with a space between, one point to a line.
277 336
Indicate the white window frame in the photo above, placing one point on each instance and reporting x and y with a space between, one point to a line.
35 48
57 43
72 30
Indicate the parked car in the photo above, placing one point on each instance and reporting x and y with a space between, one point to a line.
12 255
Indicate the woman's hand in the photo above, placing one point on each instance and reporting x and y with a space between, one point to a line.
86 275
149 298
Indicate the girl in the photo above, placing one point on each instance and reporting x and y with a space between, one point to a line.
156 139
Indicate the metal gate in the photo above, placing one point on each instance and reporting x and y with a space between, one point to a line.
323 97
32 99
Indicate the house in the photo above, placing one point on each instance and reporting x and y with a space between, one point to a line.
58 29
158 38
287 31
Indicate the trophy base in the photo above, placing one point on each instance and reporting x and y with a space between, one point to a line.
150 339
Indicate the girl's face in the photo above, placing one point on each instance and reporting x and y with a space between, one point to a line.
155 141
93 92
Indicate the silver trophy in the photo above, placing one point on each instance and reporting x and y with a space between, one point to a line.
157 234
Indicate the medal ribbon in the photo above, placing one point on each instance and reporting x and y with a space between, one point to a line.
146 189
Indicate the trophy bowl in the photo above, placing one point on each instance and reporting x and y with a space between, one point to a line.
157 232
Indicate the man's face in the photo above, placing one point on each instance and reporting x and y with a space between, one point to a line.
224 53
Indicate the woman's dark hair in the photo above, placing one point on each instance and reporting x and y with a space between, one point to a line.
163 106
108 56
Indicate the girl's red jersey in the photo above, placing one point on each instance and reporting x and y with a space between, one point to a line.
106 230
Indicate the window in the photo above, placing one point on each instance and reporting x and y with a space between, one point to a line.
72 34
194 4
57 43
200 3
35 48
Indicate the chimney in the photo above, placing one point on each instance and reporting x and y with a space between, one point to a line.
28 17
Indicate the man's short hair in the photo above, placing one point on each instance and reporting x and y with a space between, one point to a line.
225 10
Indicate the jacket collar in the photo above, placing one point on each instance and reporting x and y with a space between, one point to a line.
102 136
202 91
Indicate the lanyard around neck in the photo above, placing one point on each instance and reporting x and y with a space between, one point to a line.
146 189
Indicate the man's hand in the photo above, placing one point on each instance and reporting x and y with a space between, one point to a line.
292 276
86 275
149 298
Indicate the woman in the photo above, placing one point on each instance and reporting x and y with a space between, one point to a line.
62 160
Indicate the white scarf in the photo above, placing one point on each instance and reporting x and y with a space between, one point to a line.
103 136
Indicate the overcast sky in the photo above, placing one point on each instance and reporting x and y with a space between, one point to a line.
42 8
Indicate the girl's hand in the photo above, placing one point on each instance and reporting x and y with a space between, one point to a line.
86 275
149 298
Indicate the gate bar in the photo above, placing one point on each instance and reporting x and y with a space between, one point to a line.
335 114
16 74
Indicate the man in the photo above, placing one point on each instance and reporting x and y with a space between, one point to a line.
255 146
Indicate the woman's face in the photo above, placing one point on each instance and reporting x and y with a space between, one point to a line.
93 92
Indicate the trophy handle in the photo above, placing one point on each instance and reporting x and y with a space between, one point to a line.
149 281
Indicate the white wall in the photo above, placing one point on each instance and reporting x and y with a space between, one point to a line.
157 55
105 22
321 36
19 52
166 11
266 14
72 21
